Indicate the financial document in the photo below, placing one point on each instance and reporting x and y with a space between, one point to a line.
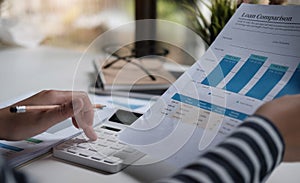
253 60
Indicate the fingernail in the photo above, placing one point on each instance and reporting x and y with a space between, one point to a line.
93 136
90 133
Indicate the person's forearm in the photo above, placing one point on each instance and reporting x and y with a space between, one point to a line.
248 155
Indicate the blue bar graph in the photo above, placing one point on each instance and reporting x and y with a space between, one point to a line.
221 71
292 86
245 73
267 82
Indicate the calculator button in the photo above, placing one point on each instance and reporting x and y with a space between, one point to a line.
117 146
99 130
112 160
112 140
96 158
73 148
108 133
105 151
129 150
99 148
84 154
103 143
93 150
84 146
108 151
94 142
71 151
101 137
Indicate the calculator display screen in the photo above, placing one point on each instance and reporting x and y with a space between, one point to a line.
124 117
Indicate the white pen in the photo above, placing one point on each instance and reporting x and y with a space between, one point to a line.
30 108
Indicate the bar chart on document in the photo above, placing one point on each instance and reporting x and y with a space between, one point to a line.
254 59
232 90
255 77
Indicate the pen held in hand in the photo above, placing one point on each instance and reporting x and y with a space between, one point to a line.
29 108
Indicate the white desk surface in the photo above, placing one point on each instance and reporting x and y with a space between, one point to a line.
24 71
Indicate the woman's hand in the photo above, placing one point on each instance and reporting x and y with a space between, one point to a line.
285 114
24 125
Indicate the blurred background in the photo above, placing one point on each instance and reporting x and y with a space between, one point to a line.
74 24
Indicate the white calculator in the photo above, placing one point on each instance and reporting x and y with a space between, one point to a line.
107 153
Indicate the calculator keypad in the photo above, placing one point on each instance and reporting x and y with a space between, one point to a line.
107 153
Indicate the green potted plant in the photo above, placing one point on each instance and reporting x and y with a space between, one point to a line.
208 27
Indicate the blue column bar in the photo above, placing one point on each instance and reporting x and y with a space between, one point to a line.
209 107
221 71
267 82
292 86
245 73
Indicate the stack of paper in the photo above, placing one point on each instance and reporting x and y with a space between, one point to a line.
18 152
